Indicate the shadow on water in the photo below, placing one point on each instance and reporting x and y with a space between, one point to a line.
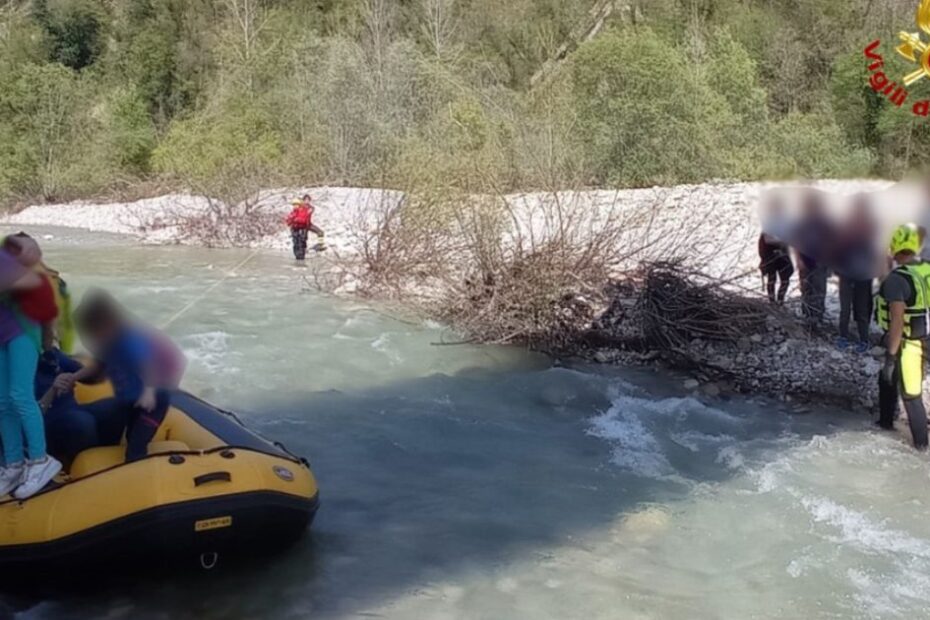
432 479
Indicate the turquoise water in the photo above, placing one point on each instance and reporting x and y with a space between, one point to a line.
487 483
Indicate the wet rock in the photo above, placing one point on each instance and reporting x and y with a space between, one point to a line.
691 384
604 356
757 338
744 344
877 352
712 389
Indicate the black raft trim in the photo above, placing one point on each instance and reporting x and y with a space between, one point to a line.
261 520
224 424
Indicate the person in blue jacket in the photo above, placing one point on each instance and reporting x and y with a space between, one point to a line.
128 358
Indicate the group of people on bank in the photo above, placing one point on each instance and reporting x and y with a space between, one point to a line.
42 425
853 249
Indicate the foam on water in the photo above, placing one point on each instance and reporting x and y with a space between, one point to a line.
856 529
210 352
641 431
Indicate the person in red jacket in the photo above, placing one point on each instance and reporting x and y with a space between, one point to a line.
300 221
37 304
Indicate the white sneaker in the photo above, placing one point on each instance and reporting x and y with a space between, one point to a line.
10 478
38 474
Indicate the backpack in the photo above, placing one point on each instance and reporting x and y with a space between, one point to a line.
64 326
300 217
168 360
38 304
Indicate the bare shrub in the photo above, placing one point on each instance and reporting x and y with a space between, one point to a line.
678 305
401 242
226 224
236 212
536 269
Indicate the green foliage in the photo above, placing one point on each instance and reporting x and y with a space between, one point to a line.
209 145
96 93
856 105
733 74
132 134
49 125
816 148
74 30
643 111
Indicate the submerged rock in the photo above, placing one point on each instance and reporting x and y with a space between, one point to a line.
712 389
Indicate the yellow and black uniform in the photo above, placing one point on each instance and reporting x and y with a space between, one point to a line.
909 284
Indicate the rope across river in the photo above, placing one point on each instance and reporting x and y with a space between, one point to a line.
209 290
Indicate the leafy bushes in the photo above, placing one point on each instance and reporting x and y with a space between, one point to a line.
97 94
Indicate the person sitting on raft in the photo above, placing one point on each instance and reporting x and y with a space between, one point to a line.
129 360
69 427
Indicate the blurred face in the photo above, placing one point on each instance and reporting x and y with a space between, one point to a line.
24 249
903 258
97 339
861 213
812 204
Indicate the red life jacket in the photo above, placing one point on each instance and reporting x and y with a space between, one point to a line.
38 304
301 216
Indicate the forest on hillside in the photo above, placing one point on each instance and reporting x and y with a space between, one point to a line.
103 97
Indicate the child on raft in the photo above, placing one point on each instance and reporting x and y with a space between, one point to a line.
28 304
60 332
129 357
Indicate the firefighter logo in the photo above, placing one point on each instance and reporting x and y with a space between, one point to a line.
913 47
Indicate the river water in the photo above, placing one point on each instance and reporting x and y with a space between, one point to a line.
485 483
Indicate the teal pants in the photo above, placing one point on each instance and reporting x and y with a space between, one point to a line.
20 416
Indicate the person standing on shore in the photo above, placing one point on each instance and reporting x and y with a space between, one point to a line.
774 251
812 241
903 312
856 262
775 264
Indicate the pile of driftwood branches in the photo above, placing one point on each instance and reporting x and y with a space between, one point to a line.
677 306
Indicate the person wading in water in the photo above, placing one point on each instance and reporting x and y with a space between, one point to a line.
300 221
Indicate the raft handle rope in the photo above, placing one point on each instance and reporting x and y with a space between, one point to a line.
208 564
209 290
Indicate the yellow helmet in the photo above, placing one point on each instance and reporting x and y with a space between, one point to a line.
906 238
297 201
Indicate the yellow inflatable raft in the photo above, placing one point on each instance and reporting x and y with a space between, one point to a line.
209 491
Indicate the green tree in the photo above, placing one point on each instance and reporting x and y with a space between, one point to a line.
241 134
643 112
74 30
857 106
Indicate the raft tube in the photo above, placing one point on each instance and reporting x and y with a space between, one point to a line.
209 492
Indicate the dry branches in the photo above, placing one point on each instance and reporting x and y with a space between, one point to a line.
677 305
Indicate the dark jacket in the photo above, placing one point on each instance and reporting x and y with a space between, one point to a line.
51 364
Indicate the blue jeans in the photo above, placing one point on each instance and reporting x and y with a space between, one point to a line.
20 417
